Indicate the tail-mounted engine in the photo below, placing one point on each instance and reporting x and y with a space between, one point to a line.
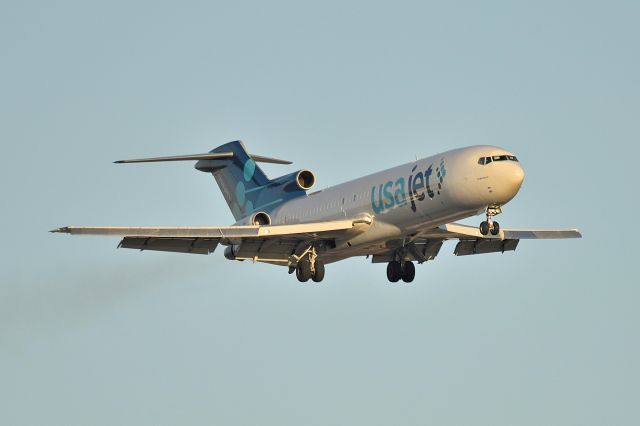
260 218
302 180
305 179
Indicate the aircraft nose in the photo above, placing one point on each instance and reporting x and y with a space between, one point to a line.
514 178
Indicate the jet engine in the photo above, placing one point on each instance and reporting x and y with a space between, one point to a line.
260 218
305 179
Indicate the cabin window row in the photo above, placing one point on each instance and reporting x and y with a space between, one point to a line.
486 160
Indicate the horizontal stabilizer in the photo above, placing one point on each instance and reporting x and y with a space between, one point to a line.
207 156
263 159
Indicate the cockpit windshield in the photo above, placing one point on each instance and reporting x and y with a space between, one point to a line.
486 160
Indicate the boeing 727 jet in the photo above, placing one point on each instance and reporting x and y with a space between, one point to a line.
397 216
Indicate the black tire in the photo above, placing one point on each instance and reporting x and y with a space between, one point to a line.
303 271
484 227
496 228
319 273
408 272
394 271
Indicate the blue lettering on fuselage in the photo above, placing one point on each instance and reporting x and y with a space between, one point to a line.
400 192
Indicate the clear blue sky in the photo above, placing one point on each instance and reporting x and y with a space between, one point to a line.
91 335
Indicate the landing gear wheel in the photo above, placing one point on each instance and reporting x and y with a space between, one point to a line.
408 272
394 271
303 270
318 275
484 227
489 226
495 230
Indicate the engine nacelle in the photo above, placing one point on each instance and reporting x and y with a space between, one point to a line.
296 181
257 218
305 179
260 218
231 252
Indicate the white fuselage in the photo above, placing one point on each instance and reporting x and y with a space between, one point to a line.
402 200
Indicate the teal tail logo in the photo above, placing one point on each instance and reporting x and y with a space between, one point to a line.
242 206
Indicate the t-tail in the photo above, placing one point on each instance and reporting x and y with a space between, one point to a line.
244 185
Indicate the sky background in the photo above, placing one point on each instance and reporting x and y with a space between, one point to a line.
91 335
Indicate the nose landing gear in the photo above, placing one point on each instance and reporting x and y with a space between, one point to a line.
489 225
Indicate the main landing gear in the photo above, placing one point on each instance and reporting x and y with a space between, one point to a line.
489 225
309 267
397 270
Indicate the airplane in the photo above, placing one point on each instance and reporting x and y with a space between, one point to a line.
397 216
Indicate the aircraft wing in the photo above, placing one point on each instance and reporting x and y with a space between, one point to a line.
456 230
279 240
427 244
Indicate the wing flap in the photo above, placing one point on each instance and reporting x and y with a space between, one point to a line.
468 247
176 245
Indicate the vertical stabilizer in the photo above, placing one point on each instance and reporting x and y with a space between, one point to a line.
241 180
